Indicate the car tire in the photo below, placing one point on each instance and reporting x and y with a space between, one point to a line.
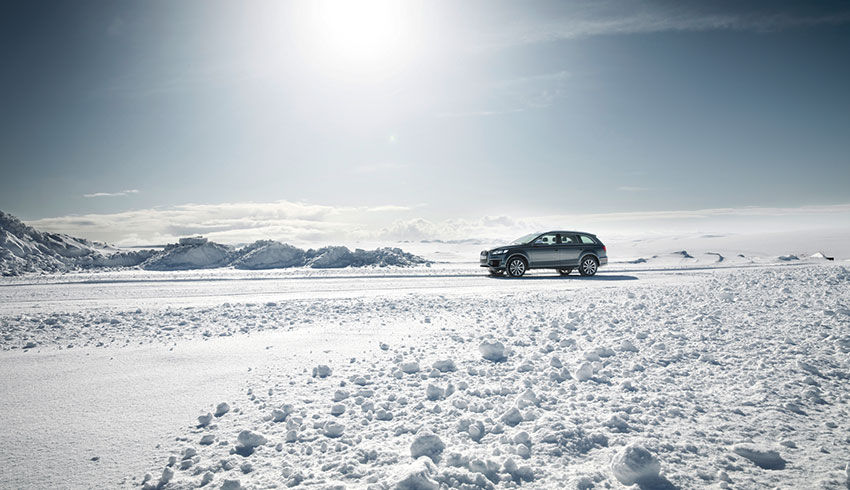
516 267
565 272
588 267
496 272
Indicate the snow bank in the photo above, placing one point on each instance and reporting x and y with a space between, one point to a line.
338 257
26 250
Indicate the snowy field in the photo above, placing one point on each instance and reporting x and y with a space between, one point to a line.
733 374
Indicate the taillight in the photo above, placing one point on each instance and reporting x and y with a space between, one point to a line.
604 249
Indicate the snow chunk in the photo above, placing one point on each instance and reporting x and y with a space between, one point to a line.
512 417
417 476
221 409
204 420
627 346
584 372
231 485
634 464
321 371
445 366
434 393
492 350
250 439
768 459
427 444
333 429
409 367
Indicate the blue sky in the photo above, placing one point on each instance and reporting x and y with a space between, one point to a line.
414 119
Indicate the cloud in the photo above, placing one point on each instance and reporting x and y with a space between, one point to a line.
314 224
112 194
238 222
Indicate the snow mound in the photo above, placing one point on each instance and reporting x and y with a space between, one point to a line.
635 464
268 254
194 254
24 249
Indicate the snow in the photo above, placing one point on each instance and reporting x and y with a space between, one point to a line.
422 378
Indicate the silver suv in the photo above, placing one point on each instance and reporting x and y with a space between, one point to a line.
559 250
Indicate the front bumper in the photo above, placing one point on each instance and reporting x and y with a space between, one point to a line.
492 261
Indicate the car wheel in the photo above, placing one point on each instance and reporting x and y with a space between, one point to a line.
496 272
565 272
588 267
516 267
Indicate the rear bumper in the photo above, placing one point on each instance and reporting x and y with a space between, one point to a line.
603 261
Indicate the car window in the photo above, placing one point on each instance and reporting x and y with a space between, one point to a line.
524 239
547 239
586 239
568 239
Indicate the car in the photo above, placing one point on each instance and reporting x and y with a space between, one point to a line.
563 251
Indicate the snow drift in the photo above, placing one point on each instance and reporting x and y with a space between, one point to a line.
24 249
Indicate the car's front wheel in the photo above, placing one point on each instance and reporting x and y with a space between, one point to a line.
589 266
565 272
516 267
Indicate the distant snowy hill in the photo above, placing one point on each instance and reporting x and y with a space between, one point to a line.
24 249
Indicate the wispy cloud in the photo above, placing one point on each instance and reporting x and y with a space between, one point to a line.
514 95
112 194
617 18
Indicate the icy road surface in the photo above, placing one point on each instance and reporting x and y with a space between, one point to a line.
705 377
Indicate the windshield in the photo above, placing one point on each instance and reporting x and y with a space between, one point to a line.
525 239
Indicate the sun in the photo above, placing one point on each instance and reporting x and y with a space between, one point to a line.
362 35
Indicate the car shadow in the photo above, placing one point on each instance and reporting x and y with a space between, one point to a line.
598 277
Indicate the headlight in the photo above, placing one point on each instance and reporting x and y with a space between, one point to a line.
499 252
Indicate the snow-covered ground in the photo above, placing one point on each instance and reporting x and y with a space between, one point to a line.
674 373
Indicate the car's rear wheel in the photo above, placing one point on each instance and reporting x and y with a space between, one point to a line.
496 272
589 266
516 267
565 272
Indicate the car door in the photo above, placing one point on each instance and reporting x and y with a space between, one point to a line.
569 250
544 251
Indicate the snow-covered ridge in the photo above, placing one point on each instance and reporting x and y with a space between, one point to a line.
24 249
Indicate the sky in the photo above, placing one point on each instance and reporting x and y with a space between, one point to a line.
138 122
